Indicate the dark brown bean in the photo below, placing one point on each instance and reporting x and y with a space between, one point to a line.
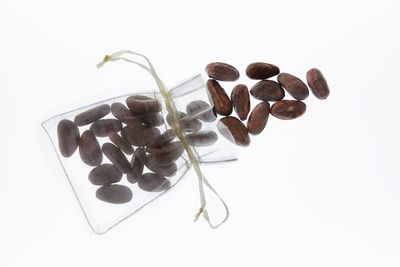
68 137
151 119
120 142
294 86
124 114
139 136
101 128
317 83
258 118
222 71
218 96
116 157
187 123
89 149
261 70
165 170
241 100
137 164
139 104
202 138
92 115
288 109
201 110
163 139
267 91
105 174
168 153
234 130
114 194
153 182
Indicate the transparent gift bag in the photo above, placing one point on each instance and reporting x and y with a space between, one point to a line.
123 153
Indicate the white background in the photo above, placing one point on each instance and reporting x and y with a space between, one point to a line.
321 190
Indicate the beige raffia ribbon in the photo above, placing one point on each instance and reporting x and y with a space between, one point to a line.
170 105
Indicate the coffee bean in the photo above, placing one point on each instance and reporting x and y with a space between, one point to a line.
116 157
105 174
187 123
222 71
234 130
258 118
153 182
139 136
317 83
202 138
168 153
137 164
201 110
124 114
101 128
288 109
120 142
114 194
241 100
294 86
218 96
165 170
162 139
267 91
92 115
261 70
139 104
89 149
151 119
68 137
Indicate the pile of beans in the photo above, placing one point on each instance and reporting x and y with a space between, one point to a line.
135 131
265 90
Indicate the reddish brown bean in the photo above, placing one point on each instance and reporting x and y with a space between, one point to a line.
91 115
165 170
261 70
288 109
116 157
120 142
218 96
101 128
163 139
241 101
89 149
137 164
105 174
267 91
222 71
317 83
234 130
114 194
121 112
153 182
139 104
139 136
68 137
258 118
168 153
294 86
202 138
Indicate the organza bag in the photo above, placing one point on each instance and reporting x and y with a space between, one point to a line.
122 153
